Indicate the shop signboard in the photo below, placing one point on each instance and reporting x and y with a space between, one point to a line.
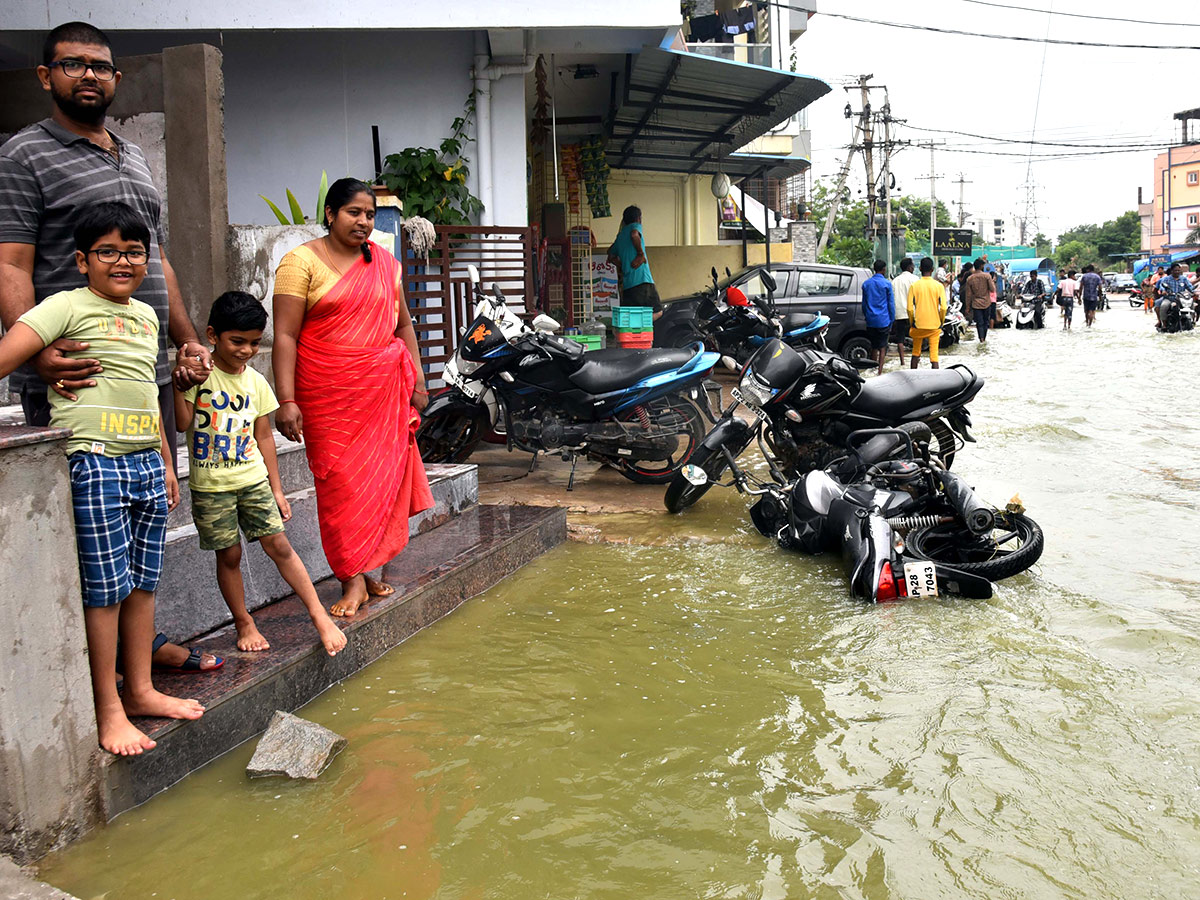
1160 259
952 241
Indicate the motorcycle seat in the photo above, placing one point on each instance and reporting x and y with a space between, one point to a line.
603 371
892 396
796 321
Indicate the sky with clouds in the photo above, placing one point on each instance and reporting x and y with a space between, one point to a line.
1090 94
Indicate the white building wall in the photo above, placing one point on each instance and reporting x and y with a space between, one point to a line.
287 118
363 14
510 196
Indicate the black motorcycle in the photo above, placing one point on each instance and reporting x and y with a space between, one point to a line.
738 330
1177 313
640 411
906 526
805 404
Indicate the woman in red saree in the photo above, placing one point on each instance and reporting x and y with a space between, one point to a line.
349 388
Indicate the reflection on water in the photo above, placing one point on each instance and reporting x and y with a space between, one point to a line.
714 718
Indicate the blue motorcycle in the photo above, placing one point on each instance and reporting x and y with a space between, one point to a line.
640 411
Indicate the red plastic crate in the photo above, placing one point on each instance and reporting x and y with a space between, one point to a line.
643 339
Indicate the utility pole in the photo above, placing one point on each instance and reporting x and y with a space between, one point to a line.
962 210
887 175
932 176
868 127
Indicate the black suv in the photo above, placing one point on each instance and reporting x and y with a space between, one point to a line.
835 291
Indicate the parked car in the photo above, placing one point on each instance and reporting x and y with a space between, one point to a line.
835 291
1119 283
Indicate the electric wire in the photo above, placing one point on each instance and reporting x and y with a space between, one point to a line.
1032 9
994 37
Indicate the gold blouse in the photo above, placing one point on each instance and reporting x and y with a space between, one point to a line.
301 273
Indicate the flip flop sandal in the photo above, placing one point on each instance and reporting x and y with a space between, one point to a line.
191 665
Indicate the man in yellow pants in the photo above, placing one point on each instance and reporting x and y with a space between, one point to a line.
926 312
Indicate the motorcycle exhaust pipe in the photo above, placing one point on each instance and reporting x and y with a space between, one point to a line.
978 518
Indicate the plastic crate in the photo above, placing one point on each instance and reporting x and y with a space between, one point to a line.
633 318
644 339
590 341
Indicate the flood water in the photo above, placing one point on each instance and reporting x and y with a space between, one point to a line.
698 714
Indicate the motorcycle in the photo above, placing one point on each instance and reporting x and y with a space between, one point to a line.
1177 313
640 411
738 329
806 402
954 326
905 526
1006 314
1032 312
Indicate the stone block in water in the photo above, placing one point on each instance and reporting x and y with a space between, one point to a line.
294 747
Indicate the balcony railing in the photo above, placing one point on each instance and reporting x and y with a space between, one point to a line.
754 54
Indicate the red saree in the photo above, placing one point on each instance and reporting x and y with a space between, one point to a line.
354 381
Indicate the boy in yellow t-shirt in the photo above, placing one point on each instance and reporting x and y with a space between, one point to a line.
233 472
121 490
926 312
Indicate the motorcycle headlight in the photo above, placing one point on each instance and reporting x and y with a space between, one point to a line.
754 390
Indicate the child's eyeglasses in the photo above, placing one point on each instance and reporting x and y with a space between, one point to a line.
74 68
109 255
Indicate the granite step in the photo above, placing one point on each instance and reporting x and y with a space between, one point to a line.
189 602
436 573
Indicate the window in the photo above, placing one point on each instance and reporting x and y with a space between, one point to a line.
1194 176
1193 219
821 284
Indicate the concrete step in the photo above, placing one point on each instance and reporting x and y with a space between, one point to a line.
436 573
189 602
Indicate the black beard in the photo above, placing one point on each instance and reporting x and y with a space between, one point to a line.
91 114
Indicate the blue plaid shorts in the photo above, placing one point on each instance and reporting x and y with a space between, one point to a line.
120 505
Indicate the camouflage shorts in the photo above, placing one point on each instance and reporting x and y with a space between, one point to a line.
219 514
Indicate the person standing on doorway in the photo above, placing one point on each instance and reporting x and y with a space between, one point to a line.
879 309
628 252
978 294
49 173
900 285
926 312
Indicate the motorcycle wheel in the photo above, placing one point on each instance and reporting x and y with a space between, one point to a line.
1015 545
1135 302
681 493
690 429
946 444
449 438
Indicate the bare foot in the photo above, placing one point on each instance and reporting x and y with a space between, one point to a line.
354 595
119 736
332 637
154 703
378 588
250 638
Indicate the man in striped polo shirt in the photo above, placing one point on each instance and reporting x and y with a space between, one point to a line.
51 171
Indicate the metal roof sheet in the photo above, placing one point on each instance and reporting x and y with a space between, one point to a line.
685 112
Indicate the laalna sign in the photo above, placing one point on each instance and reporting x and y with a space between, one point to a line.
952 241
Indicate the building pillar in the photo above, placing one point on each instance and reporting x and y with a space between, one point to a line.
193 101
803 236
50 772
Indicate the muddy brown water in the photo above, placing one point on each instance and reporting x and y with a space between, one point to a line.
693 713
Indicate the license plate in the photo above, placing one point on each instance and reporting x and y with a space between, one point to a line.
921 579
472 389
740 398
694 474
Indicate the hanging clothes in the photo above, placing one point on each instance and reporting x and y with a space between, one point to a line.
705 28
738 21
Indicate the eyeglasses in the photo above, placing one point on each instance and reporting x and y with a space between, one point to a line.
75 68
110 255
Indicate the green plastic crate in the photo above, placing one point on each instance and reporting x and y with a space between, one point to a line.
590 341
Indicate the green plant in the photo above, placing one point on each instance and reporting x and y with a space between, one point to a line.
294 205
433 183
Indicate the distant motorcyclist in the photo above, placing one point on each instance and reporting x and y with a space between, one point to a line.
1172 286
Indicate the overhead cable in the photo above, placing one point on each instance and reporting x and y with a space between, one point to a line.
1080 15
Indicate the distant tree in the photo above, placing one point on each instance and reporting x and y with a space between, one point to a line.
1042 245
1115 237
1076 254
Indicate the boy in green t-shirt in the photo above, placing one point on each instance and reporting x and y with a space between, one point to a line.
121 490
233 471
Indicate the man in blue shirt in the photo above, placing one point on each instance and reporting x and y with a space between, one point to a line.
879 309
1092 284
628 252
1170 286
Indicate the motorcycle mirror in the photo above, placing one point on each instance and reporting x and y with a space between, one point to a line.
768 280
714 273
473 273
545 324
730 363
728 274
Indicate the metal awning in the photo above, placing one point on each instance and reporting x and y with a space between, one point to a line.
687 113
